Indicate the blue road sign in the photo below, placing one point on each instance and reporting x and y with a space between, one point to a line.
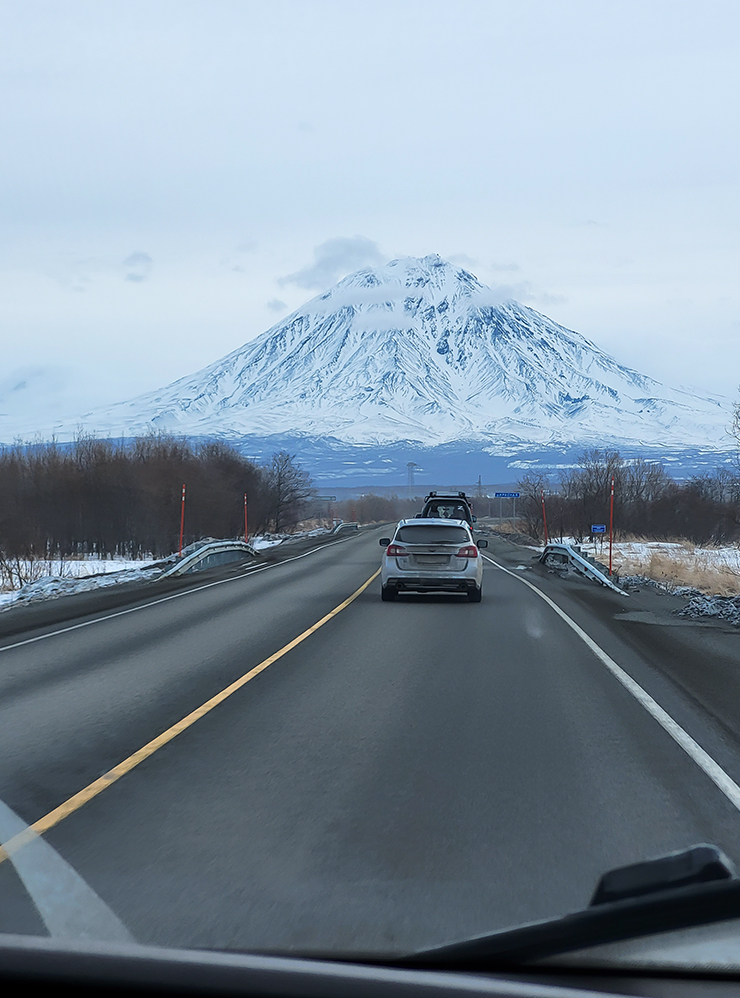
506 495
598 528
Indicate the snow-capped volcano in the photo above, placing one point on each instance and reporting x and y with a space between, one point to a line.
420 350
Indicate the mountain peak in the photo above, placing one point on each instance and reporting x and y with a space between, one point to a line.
428 278
420 350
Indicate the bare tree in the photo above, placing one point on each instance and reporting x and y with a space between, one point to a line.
100 497
371 508
289 489
531 486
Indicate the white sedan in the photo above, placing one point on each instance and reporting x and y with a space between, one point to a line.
432 555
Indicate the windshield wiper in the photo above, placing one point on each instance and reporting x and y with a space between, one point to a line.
694 887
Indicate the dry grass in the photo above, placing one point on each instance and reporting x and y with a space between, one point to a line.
713 571
16 572
510 527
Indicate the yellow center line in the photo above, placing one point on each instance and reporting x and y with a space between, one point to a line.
75 802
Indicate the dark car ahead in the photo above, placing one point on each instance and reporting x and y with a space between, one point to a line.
449 506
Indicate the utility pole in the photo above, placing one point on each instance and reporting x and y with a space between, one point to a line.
611 524
182 518
544 516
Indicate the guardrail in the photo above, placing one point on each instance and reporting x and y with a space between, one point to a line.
209 555
564 554
346 526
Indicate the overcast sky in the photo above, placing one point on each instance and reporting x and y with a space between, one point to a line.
177 175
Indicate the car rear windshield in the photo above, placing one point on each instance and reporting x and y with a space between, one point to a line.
450 510
425 533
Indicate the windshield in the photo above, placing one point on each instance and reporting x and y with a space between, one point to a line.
449 511
283 284
432 535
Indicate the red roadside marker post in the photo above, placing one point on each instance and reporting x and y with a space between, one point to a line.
246 532
544 516
611 524
182 518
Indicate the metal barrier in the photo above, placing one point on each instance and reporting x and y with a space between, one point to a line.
345 526
209 555
564 554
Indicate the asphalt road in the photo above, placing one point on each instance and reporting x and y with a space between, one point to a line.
406 775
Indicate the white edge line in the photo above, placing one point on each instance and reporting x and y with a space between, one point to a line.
68 906
682 738
166 599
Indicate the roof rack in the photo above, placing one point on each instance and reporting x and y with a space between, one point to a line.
447 495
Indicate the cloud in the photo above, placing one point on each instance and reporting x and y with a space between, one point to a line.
522 291
498 293
586 223
138 266
276 305
38 388
335 259
463 259
547 298
76 274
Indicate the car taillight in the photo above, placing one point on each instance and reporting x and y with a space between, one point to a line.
396 551
471 551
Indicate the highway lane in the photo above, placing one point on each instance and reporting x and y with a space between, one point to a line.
75 703
409 774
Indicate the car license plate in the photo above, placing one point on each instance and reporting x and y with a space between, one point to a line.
431 559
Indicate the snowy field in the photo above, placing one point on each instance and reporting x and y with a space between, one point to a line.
31 581
674 564
707 577
55 578
72 568
683 552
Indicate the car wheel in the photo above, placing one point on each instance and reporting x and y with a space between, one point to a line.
387 593
475 595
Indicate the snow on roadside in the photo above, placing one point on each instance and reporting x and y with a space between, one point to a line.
74 568
707 577
49 586
262 541
712 557
63 578
673 564
681 567
721 607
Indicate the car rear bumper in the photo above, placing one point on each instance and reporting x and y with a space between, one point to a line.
432 584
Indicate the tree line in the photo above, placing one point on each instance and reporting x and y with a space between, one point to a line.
648 502
105 498
371 508
100 497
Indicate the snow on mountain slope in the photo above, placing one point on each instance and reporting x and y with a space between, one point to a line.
420 350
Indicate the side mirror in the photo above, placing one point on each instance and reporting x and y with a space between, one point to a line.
482 543
419 516
384 542
475 519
